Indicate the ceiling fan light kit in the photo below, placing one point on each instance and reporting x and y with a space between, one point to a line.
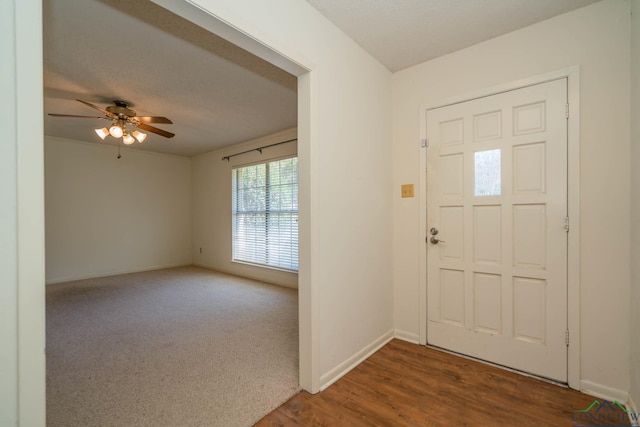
121 115
119 130
102 133
128 139
139 135
116 130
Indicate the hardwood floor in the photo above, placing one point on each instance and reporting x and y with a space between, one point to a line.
410 385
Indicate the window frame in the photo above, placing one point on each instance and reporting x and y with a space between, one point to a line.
266 212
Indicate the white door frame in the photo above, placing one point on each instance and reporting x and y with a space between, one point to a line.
254 41
573 204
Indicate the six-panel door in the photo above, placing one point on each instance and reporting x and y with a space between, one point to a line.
497 201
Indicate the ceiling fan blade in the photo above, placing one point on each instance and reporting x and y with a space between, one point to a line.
156 130
152 119
80 117
105 112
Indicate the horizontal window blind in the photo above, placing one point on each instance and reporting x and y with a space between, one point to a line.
265 213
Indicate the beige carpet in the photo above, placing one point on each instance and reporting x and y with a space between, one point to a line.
176 347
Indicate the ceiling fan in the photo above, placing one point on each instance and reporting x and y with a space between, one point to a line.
120 115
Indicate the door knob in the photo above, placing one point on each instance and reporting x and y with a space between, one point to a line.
435 240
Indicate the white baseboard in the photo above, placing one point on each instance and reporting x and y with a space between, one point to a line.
342 369
632 407
406 336
604 392
113 273
631 404
265 275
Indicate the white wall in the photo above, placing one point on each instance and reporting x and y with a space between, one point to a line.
635 207
597 39
108 216
211 178
345 283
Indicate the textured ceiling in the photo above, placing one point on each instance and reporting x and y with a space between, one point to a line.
215 93
402 33
218 94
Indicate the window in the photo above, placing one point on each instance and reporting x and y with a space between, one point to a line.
265 214
487 173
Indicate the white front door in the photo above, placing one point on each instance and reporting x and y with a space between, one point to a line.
497 212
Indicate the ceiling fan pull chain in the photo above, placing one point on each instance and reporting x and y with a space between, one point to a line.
119 151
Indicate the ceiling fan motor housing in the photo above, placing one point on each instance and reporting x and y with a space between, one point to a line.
121 109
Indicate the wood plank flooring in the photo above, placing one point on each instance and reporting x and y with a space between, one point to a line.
410 385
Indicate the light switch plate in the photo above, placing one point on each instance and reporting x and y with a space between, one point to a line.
407 190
